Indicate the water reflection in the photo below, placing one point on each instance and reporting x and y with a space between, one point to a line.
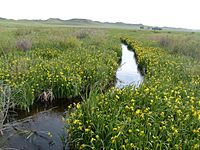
128 73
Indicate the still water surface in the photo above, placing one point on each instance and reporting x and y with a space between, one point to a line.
128 73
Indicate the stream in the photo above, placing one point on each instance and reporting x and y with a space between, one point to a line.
44 129
128 72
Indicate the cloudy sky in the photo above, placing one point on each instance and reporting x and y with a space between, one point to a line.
173 13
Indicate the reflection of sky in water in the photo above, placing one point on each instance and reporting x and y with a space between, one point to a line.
128 73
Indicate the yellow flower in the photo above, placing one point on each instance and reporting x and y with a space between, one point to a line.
126 141
141 133
97 136
114 129
138 111
78 106
87 130
92 139
117 97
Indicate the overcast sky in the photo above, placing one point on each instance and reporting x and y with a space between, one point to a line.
173 13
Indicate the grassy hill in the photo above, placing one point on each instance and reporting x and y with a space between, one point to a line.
76 22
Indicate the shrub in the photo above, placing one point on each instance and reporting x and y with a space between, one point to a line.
185 45
24 44
164 41
81 34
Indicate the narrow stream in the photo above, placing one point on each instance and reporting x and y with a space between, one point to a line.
43 129
128 72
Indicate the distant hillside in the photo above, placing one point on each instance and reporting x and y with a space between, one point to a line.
87 22
90 23
71 21
2 18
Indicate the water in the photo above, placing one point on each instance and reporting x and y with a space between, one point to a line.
40 129
128 73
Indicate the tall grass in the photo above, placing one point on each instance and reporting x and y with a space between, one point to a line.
188 45
62 62
7 101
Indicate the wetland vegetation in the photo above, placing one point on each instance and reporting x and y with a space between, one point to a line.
43 63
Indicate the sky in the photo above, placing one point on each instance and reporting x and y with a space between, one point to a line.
171 13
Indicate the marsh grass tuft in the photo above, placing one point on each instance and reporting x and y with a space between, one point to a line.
24 44
6 102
